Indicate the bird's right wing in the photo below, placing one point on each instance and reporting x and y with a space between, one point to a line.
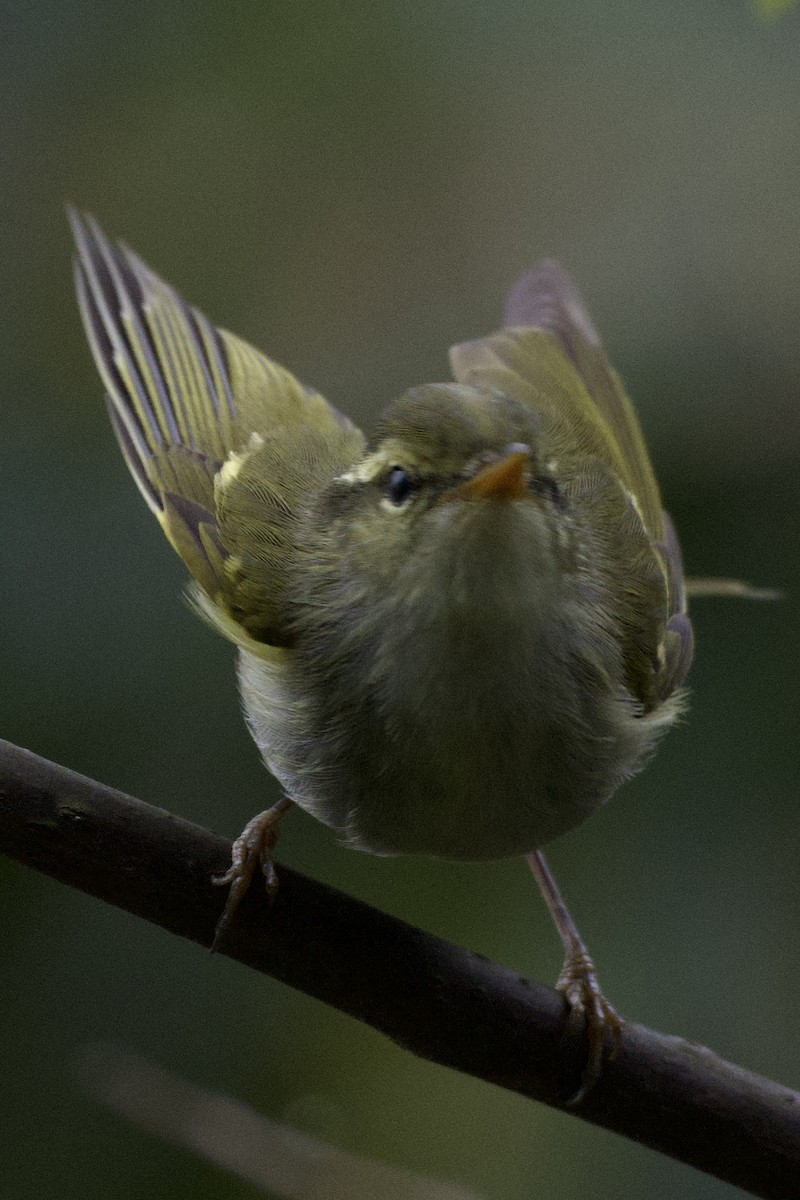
223 443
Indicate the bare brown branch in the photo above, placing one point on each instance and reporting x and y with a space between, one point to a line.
435 999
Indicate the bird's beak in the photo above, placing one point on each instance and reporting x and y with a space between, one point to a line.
501 480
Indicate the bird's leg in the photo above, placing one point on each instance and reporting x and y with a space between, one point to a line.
578 981
251 850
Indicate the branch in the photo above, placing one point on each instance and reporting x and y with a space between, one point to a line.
436 999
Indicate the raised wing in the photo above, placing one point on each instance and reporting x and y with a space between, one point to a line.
549 353
223 443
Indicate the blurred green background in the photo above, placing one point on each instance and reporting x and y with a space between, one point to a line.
353 187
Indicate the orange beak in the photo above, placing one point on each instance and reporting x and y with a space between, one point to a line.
503 480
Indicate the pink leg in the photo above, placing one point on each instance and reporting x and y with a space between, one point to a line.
578 980
251 850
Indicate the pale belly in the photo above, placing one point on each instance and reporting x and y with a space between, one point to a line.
482 776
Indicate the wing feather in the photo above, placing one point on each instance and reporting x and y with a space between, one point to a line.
223 443
549 354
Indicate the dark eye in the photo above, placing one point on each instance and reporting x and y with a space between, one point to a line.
399 486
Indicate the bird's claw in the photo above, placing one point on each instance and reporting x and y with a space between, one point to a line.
251 850
578 981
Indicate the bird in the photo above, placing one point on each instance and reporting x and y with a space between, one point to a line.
457 637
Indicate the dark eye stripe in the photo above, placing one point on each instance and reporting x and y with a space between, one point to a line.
545 485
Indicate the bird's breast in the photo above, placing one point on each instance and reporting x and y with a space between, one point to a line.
472 719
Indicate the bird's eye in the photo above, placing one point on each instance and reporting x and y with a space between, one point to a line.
399 486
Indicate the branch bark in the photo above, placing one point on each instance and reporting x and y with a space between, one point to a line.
434 998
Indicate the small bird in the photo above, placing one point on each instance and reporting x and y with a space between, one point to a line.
457 638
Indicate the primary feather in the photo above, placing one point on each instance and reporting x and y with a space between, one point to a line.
206 423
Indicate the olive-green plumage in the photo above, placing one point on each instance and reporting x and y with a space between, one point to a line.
223 443
457 639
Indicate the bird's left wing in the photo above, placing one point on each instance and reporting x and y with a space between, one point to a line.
549 354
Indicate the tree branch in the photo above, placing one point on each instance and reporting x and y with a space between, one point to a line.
436 999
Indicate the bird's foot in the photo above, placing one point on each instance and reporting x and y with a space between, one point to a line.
578 981
251 850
